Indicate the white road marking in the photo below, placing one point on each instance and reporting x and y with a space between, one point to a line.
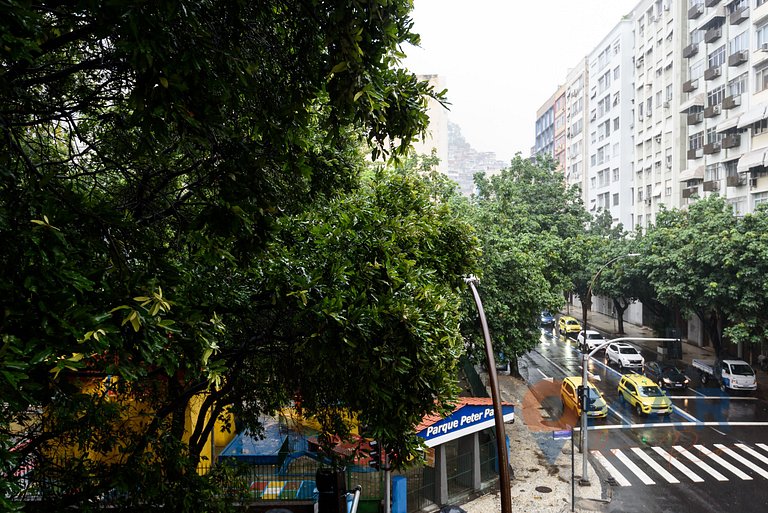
763 446
703 466
610 468
743 460
701 396
752 452
546 378
655 466
619 415
679 466
723 463
678 425
631 466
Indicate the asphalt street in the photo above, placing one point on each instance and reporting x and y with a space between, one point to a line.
710 454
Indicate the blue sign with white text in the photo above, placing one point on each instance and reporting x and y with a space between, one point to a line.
466 420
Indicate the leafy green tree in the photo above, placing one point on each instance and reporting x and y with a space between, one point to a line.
688 256
151 155
526 219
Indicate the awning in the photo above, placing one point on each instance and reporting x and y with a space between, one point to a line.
749 160
695 101
728 124
657 190
696 173
753 115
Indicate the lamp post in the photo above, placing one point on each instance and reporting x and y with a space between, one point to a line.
501 446
584 481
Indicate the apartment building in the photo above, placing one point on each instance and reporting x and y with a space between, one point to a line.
436 138
609 170
659 132
727 102
576 122
550 127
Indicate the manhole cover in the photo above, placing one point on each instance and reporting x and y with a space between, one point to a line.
543 489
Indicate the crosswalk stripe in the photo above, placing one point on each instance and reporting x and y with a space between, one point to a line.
723 463
631 466
679 466
655 466
743 460
752 452
703 466
763 446
610 468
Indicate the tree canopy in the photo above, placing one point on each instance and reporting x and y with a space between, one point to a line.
182 209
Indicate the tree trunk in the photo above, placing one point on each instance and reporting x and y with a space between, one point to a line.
620 309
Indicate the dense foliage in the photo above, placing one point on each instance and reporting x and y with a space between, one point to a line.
181 213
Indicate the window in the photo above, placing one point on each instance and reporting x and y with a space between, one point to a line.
616 47
737 6
603 177
760 198
717 58
697 36
712 172
738 43
696 141
715 96
616 72
760 127
603 200
668 188
592 182
713 136
696 70
616 125
604 82
615 174
761 78
615 199
762 34
668 94
738 85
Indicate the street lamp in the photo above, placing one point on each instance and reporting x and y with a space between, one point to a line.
501 446
584 481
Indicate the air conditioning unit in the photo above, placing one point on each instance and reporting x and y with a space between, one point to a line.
666 7
648 201
666 105
764 47
752 183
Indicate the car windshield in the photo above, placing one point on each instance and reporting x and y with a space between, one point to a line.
741 369
628 350
672 373
592 394
651 391
594 336
571 322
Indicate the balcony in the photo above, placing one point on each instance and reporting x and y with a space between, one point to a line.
712 185
694 154
711 3
694 118
690 50
711 148
712 73
713 34
695 11
739 16
734 181
737 58
712 111
691 85
731 141
731 102
690 191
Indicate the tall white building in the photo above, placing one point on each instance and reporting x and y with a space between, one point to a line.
577 123
658 129
610 148
437 135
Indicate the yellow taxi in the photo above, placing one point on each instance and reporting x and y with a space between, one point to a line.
644 395
569 396
568 325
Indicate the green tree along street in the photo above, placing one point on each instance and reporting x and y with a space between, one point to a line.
183 208
527 221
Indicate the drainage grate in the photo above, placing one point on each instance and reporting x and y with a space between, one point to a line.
543 489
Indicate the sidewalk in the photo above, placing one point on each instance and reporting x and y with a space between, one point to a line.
607 325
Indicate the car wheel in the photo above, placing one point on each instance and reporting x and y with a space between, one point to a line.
638 409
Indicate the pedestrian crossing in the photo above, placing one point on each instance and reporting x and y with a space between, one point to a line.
677 464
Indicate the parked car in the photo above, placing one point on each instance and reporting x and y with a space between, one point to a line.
644 395
624 355
666 374
568 325
733 375
594 339
569 396
547 319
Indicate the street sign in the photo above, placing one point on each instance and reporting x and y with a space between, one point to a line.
562 435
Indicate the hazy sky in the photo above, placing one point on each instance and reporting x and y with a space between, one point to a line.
502 59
